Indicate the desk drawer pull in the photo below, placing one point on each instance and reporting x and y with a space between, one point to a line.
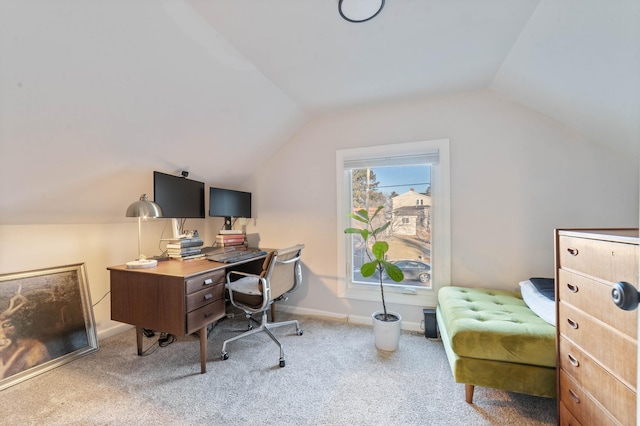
573 360
575 397
208 281
572 323
572 251
208 296
572 288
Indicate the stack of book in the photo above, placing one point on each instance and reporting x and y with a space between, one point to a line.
185 248
231 239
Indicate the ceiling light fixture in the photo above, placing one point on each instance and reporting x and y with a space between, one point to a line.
359 10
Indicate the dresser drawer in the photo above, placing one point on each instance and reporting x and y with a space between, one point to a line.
608 346
202 281
566 418
607 260
581 405
612 394
205 315
594 297
205 296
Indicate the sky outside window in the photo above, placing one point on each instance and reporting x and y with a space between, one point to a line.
402 178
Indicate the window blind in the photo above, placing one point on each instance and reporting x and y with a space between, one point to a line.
431 157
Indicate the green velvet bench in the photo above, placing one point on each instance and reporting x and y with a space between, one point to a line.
493 339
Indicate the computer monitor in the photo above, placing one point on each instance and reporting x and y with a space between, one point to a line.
229 203
179 198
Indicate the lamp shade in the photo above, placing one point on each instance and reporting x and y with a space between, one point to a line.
144 208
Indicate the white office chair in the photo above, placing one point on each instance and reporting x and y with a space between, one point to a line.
281 274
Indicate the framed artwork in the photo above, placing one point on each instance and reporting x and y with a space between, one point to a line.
46 320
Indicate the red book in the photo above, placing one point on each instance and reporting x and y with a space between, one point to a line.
230 238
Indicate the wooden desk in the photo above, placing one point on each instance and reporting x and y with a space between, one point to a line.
176 297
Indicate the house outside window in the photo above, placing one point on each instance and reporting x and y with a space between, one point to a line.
411 181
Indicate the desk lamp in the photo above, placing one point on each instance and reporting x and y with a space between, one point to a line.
143 209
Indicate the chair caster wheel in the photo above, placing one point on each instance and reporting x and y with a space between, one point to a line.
224 356
282 363
299 332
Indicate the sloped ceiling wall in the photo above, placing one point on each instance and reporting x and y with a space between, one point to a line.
413 49
94 96
579 62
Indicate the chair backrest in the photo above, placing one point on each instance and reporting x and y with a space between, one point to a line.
283 270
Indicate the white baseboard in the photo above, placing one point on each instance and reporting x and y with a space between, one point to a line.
311 312
355 319
117 328
113 329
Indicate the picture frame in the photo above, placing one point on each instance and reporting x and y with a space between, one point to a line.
46 320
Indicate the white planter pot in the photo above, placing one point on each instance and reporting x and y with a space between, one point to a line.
387 333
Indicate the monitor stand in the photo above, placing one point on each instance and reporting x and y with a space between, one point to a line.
227 223
175 227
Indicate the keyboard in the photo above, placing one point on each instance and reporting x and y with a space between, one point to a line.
235 256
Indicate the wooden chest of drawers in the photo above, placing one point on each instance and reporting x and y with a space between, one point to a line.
597 341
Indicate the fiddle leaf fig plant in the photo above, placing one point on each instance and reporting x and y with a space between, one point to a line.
377 253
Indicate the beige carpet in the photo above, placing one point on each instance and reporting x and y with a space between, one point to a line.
334 376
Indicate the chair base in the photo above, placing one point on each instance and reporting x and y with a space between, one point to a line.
266 327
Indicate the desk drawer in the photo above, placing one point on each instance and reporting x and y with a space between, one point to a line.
581 405
614 396
205 315
204 297
594 297
606 345
202 281
607 260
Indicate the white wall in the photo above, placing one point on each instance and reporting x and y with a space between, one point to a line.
31 247
515 176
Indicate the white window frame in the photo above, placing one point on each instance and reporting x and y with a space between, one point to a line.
441 237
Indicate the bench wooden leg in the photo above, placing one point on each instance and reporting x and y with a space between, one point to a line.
468 392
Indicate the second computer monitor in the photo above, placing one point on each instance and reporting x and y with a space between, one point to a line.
229 203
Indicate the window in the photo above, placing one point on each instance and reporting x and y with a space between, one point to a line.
411 181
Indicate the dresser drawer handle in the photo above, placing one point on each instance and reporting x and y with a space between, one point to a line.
208 281
208 296
573 361
208 314
572 323
575 397
572 288
573 251
624 296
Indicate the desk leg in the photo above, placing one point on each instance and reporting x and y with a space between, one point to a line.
203 350
139 339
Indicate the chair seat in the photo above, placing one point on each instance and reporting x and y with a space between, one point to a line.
246 291
247 285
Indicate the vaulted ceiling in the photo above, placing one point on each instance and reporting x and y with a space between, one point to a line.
94 94
576 61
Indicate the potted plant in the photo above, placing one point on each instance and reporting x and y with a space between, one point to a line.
386 325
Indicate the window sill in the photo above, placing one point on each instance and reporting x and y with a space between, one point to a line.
423 297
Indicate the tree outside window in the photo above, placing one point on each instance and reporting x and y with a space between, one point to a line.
408 210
